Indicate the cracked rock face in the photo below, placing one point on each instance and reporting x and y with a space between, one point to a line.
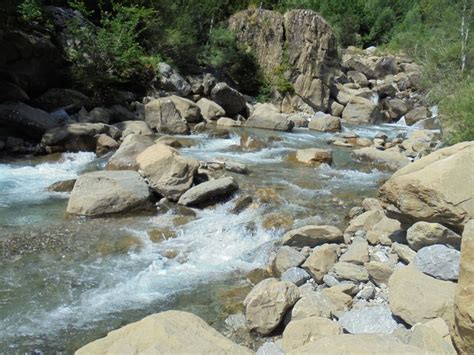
300 41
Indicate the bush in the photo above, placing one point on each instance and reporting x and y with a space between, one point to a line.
110 54
30 12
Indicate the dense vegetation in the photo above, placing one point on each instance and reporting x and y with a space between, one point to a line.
135 35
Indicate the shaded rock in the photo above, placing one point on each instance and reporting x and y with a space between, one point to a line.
374 344
168 173
125 158
416 297
348 271
96 115
256 275
373 320
438 261
171 80
25 121
417 114
106 192
77 136
312 236
300 332
464 298
396 108
232 101
133 127
163 333
433 188
241 204
295 275
423 234
267 116
325 124
361 110
357 77
286 258
314 156
210 111
161 114
118 113
267 303
105 144
209 191
391 158
385 66
59 98
321 260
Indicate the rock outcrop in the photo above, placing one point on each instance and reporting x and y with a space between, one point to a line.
170 332
436 188
125 158
163 115
107 192
301 36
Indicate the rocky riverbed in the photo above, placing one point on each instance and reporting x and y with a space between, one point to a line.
330 219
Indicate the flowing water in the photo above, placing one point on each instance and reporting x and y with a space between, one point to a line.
66 281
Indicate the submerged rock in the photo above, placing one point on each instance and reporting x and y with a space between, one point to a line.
170 332
107 192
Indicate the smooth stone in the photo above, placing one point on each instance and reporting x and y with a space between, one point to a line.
295 275
438 261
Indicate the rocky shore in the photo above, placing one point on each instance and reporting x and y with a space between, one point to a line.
397 278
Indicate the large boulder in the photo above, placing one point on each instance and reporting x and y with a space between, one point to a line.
370 344
161 114
171 80
107 192
304 37
167 172
417 114
464 298
125 158
435 188
267 303
311 304
361 110
267 116
187 109
21 120
423 234
312 236
210 111
170 332
232 101
416 297
209 191
321 260
77 136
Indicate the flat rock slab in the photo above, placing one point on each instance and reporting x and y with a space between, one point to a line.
438 261
374 320
209 191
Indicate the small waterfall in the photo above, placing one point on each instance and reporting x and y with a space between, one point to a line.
402 121
375 98
434 111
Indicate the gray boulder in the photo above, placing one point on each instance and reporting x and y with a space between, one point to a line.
209 191
59 98
295 275
438 261
171 80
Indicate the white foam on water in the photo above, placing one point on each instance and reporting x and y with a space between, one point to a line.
215 244
27 184
347 177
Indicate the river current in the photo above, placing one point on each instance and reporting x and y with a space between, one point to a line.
66 281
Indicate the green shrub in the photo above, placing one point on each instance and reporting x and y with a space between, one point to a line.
110 54
30 12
